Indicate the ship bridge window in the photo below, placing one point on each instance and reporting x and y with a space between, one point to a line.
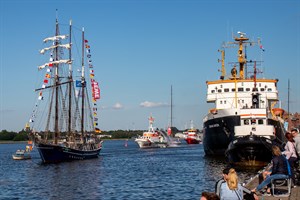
226 90
262 89
212 91
233 89
253 121
269 89
246 121
240 89
219 90
260 121
247 89
255 89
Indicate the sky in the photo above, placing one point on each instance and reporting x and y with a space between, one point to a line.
141 48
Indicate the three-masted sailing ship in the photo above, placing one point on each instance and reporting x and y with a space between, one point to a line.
64 120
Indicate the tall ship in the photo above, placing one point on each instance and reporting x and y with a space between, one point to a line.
64 122
244 123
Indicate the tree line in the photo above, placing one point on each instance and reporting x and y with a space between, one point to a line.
116 134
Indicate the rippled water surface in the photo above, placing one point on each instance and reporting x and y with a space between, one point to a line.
119 173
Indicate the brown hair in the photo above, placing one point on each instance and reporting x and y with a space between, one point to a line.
232 180
289 137
210 196
276 150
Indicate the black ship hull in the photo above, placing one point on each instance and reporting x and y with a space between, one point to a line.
254 150
250 150
218 133
51 153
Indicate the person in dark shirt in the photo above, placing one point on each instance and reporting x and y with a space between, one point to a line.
279 169
222 180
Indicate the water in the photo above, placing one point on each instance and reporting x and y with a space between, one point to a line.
119 173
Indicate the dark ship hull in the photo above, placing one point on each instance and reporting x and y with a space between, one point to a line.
219 140
218 133
51 153
253 150
250 150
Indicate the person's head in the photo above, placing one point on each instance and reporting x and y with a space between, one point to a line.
276 150
209 196
294 132
232 179
225 173
289 137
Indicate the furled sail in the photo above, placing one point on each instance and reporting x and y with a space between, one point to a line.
55 62
58 37
67 46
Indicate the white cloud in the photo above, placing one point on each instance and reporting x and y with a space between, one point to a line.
118 106
148 104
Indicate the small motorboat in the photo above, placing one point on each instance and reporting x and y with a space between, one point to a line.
21 155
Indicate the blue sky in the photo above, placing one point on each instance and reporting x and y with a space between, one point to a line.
141 47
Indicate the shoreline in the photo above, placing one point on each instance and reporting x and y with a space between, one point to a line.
21 142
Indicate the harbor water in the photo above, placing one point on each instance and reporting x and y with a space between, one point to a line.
123 171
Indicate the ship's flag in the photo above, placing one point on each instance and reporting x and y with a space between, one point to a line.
47 75
78 83
86 41
262 48
50 64
45 81
169 131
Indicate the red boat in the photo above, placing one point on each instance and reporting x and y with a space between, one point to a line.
193 137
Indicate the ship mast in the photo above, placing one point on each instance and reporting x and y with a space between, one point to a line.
56 88
82 89
171 109
70 81
241 54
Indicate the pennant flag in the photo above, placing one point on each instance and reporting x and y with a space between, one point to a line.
89 55
262 48
48 70
86 41
87 46
41 98
45 81
50 64
43 86
47 75
91 71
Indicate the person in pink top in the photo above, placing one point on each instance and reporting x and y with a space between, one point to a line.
290 153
